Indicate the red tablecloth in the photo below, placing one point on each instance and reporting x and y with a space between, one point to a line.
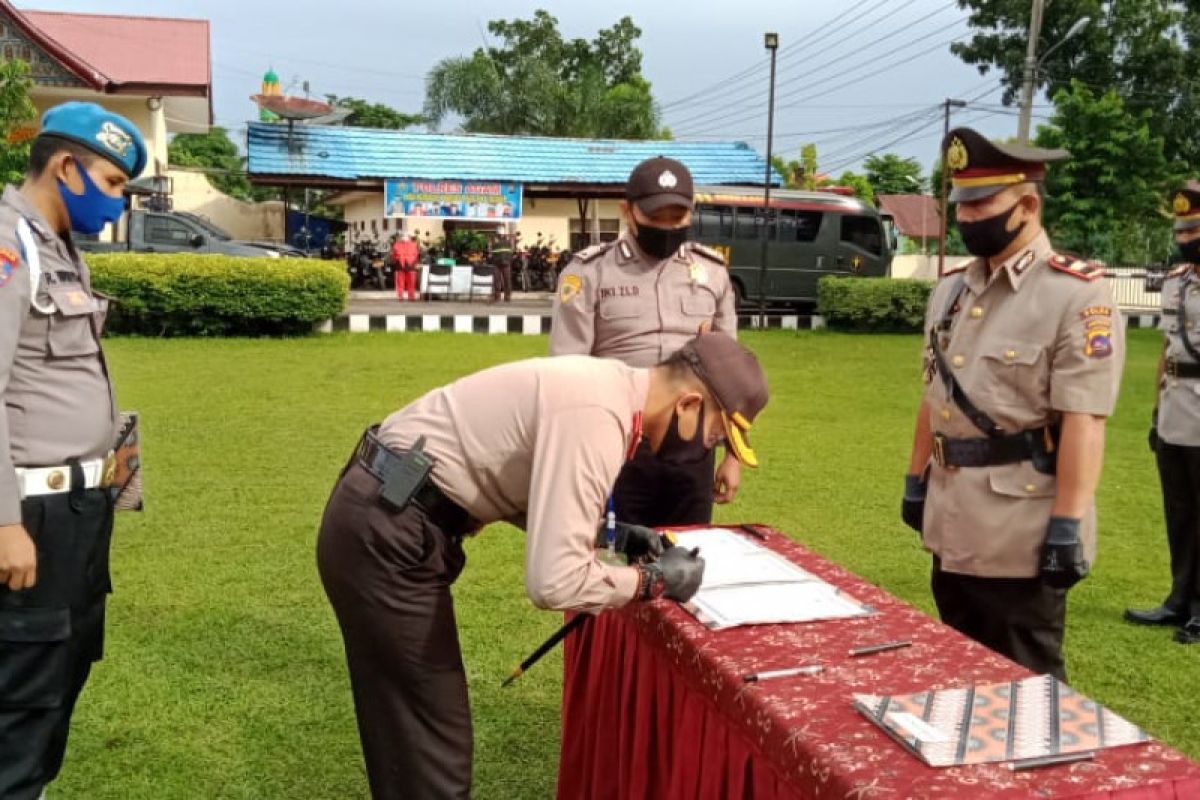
655 707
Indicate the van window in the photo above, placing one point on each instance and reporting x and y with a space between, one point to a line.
862 232
748 221
799 226
164 230
713 222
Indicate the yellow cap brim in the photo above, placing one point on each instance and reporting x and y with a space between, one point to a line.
736 440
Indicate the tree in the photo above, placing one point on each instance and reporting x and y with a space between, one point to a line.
216 153
1107 200
538 83
861 185
365 114
1142 49
891 174
16 113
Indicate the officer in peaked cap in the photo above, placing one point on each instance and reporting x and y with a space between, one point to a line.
56 435
1022 366
639 299
1175 436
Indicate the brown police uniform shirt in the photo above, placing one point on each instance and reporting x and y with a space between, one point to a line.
1026 345
58 401
614 301
542 440
1179 398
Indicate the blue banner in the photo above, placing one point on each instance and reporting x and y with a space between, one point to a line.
489 201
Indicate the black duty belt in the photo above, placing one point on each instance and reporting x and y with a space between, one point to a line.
1174 368
378 460
992 450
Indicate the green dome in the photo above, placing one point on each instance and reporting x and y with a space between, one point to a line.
270 77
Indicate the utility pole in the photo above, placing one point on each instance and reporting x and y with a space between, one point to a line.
945 180
1030 77
771 42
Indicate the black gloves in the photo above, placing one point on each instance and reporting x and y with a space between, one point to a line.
1062 563
637 543
676 575
1154 430
912 507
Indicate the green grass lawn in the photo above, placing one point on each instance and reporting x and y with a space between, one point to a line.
224 676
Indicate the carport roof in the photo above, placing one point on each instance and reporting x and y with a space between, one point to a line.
369 155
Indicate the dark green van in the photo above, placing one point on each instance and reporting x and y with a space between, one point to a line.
810 234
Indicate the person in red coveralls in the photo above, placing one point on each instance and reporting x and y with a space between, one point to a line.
406 254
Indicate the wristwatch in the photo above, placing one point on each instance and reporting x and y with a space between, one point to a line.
651 583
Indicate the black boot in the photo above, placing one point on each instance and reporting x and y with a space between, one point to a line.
1161 615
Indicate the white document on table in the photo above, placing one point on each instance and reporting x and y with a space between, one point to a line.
747 584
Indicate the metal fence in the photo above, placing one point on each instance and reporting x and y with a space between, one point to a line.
1137 288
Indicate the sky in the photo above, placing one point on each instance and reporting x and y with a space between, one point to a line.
854 76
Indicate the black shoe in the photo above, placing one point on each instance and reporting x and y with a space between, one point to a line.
1155 616
1190 632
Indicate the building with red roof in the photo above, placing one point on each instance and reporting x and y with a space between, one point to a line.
154 70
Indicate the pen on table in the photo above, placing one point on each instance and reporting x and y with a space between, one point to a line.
753 531
1049 761
878 648
811 669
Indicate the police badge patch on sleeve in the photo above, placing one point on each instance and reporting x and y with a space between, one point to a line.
9 261
569 288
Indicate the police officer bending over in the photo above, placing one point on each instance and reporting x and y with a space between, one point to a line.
56 435
639 299
1176 435
538 443
1022 367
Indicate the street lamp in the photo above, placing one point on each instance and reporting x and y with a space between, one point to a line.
771 42
949 104
1032 63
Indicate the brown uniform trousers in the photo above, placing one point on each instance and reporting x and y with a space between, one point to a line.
388 574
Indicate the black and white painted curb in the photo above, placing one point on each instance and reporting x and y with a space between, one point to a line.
537 324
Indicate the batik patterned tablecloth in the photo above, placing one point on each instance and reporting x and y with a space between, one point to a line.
655 707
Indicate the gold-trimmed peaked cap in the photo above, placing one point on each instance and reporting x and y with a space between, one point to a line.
1185 205
980 168
737 382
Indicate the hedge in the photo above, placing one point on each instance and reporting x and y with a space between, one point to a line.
185 294
873 304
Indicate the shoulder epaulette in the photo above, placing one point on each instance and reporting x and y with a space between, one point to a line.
592 253
707 252
955 271
1076 267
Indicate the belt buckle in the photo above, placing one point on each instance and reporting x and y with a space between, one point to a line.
939 449
1172 368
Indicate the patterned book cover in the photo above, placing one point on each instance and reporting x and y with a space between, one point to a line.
1031 718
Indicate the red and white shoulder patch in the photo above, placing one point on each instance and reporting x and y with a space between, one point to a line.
1076 267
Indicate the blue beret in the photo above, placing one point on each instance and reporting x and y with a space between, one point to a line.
99 130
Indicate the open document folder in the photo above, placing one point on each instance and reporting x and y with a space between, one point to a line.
747 584
1033 718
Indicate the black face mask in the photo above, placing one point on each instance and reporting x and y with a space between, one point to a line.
1189 251
660 243
989 236
677 450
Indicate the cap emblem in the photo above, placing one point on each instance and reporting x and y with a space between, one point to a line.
956 155
667 180
1181 204
115 139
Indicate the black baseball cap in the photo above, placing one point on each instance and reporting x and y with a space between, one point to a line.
659 182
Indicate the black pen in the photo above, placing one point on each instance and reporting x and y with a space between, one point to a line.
878 648
811 669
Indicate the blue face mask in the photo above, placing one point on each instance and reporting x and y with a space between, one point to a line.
91 211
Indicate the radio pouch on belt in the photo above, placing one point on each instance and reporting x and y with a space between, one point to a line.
407 474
